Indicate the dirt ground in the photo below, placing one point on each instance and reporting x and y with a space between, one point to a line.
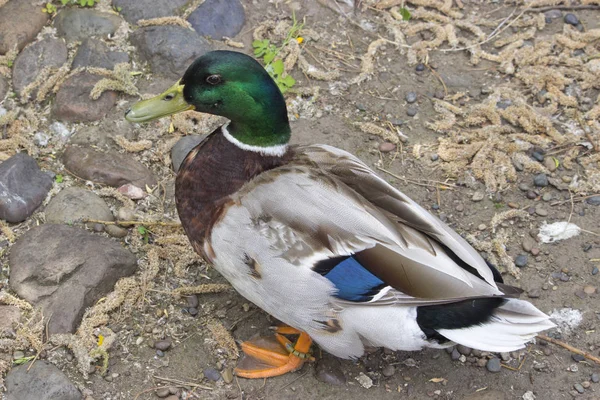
543 369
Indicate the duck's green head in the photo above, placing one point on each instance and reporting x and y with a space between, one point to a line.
229 84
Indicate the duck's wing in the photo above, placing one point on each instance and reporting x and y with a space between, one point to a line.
372 242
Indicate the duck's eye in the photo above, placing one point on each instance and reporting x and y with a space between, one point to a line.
213 79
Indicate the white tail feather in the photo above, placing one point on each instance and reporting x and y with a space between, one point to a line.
512 325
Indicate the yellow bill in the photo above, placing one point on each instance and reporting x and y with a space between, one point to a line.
169 102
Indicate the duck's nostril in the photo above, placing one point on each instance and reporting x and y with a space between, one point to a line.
128 111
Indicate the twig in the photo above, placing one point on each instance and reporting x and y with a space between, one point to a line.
569 347
542 9
182 383
147 223
433 183
489 37
435 73
557 203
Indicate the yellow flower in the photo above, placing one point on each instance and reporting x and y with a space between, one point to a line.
100 340
300 39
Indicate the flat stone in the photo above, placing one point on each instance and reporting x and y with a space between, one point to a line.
162 345
571 19
478 196
493 365
595 377
388 370
73 102
134 10
411 97
20 22
463 349
113 169
94 53
116 231
541 212
534 294
218 18
32 60
579 388
169 49
73 204
540 180
43 381
329 370
132 191
181 149
387 147
588 289
553 14
212 374
75 23
521 260
9 321
594 200
65 270
23 187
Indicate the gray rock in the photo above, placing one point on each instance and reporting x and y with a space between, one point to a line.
411 97
478 196
116 231
42 382
113 169
329 370
503 104
73 101
73 204
388 370
594 200
463 349
169 49
487 395
181 149
218 18
20 22
595 377
553 14
540 180
80 23
212 374
411 111
493 365
579 388
23 187
162 345
571 19
32 60
65 270
134 10
9 321
94 53
455 355
41 139
521 260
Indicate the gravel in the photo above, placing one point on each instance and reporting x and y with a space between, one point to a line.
540 180
493 365
411 97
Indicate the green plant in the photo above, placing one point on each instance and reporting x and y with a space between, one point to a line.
145 232
23 360
81 3
49 8
59 178
405 14
268 51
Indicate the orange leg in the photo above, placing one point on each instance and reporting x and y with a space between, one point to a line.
267 358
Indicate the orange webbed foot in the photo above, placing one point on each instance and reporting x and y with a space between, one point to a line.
265 357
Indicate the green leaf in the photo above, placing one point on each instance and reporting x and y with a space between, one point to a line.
278 67
269 57
288 81
23 360
58 178
142 230
405 14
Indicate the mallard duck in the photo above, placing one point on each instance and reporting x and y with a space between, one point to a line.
315 238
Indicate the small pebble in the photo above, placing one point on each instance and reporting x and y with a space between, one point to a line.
566 179
493 365
411 111
533 294
523 187
571 19
172 397
481 362
482 227
462 358
364 380
192 301
227 375
586 384
163 392
388 370
512 205
212 374
531 195
535 251
521 260
328 370
540 180
160 353
193 311
595 271
455 355
594 200
538 156
434 157
387 147
589 289
528 244
505 356
162 345
550 164
595 377
411 97
541 212
578 387
18 355
396 122
547 197
577 357
553 14
463 349
439 94
420 67
115 231
478 196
